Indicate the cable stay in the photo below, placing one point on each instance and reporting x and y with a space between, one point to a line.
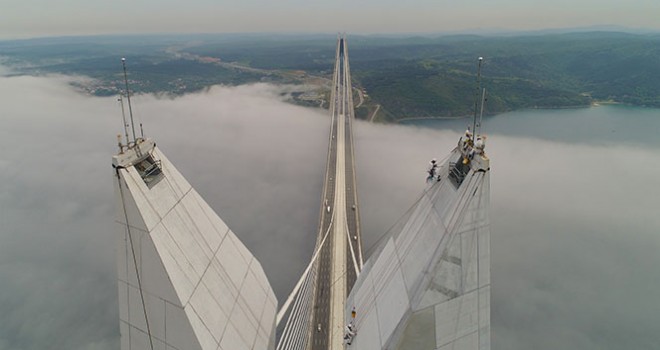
286 305
294 334
350 244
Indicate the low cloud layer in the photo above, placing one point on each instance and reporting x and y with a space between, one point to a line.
256 159
574 227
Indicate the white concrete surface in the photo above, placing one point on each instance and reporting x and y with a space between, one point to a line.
202 289
428 285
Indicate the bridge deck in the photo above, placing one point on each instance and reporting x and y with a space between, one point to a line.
336 268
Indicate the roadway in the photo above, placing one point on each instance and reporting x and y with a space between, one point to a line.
341 255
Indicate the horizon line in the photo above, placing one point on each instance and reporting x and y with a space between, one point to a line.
474 31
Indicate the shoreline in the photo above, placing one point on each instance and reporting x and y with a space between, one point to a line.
593 104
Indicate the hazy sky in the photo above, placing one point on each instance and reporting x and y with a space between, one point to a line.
20 18
574 226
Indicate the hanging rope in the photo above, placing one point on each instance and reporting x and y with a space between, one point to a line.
387 233
137 274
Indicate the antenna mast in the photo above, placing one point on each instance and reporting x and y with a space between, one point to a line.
483 101
128 96
476 99
123 117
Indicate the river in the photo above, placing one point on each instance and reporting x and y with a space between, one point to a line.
601 125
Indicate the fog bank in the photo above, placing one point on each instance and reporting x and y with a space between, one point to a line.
574 227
